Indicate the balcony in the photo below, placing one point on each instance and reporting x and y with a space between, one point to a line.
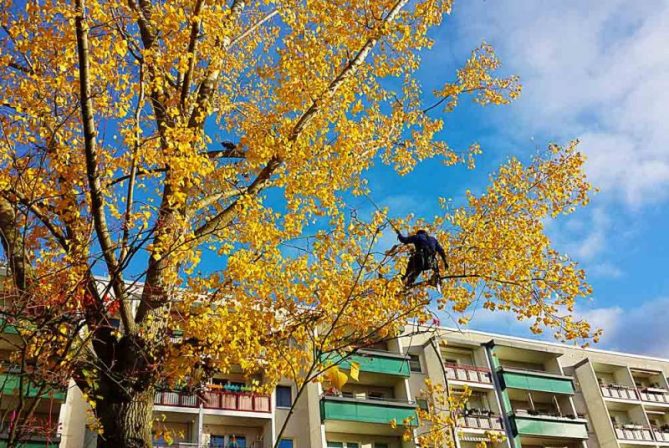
544 425
661 434
176 445
216 399
39 431
654 395
536 381
254 444
10 383
479 420
618 391
631 432
376 361
466 373
35 443
367 410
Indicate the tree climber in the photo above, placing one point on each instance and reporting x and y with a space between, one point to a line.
424 257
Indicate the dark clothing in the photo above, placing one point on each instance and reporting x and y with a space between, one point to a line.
424 258
423 241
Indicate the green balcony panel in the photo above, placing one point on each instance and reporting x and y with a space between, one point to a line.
7 329
527 380
10 386
549 427
377 362
34 444
367 411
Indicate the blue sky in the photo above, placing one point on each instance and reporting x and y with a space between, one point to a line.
597 71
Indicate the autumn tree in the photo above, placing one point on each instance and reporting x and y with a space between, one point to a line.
32 380
140 137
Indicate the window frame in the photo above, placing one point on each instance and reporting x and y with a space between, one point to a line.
290 397
415 358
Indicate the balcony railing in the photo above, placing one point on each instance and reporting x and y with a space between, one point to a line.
619 391
479 421
237 401
176 445
472 374
366 409
215 399
660 434
634 432
544 424
654 395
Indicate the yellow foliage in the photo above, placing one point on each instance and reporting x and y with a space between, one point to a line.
300 91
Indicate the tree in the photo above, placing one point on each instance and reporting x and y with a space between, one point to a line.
33 382
140 137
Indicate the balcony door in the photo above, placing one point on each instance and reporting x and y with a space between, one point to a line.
228 441
343 444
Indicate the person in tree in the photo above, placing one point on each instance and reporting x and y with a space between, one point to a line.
424 257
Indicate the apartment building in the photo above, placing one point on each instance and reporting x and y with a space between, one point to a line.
16 391
542 394
536 394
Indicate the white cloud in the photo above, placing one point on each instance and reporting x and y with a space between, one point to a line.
605 270
590 241
598 71
642 329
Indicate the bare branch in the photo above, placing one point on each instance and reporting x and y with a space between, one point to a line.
92 169
192 51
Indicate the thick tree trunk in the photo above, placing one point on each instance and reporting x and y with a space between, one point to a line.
126 423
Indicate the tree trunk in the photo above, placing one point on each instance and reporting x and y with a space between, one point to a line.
126 423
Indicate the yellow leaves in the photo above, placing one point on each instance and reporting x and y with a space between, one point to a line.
501 244
355 370
476 77
439 417
121 48
291 258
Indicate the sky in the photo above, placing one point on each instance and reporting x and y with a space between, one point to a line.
597 71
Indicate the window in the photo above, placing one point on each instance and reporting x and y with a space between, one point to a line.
335 445
217 441
343 445
422 404
286 443
414 363
284 397
236 441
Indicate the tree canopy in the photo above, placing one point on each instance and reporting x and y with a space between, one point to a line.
138 137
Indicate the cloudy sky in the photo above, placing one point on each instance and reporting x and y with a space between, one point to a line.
596 70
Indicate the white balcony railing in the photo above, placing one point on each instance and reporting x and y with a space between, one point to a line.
216 399
619 391
661 435
654 395
634 432
471 374
474 421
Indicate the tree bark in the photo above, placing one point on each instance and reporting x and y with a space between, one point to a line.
13 244
127 421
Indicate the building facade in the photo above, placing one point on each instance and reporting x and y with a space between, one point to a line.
536 394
